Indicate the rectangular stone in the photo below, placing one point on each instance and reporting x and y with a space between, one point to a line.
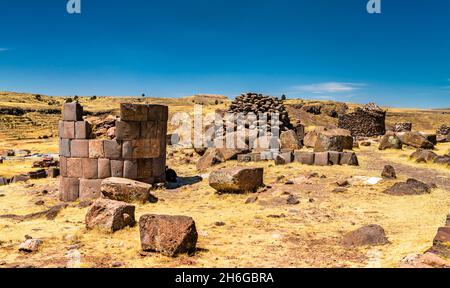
304 157
90 189
133 112
142 148
335 157
150 129
244 158
82 130
90 168
130 169
75 167
69 189
53 172
72 112
159 167
96 149
63 166
112 149
321 158
116 168
67 130
104 168
145 168
287 156
128 130
158 113
349 158
79 148
64 147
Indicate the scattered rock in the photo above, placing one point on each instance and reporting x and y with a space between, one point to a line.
390 142
121 189
292 200
289 140
410 187
237 179
252 199
210 158
369 235
415 139
169 235
117 264
339 190
219 223
110 215
343 183
39 202
422 155
30 245
389 172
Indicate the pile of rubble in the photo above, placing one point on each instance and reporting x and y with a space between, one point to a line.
443 134
367 121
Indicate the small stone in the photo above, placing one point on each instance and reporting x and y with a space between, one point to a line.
292 200
30 245
389 172
252 199
343 183
366 235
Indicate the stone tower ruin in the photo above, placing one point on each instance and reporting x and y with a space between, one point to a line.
138 151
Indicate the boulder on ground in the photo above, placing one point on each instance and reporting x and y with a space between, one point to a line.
232 153
30 245
329 143
169 235
342 137
410 187
415 139
110 215
390 142
423 155
289 140
122 189
389 172
211 157
349 158
367 235
237 179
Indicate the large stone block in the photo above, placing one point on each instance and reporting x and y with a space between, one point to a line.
142 148
128 130
90 189
112 149
75 167
82 130
64 147
79 148
321 159
415 139
335 157
69 189
133 112
130 169
96 149
150 129
90 168
159 168
63 166
289 140
127 190
306 158
66 129
116 168
169 235
104 168
109 215
349 158
72 112
145 168
237 179
158 113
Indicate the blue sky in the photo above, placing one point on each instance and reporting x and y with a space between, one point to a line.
324 49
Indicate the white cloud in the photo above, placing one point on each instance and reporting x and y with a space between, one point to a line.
329 87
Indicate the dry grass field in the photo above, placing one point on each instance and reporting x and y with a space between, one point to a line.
266 233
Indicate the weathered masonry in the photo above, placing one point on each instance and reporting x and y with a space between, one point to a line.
138 151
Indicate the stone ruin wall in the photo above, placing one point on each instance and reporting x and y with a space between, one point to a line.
362 123
138 151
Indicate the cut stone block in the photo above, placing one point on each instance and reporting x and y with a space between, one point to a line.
244 158
321 158
82 130
72 112
63 166
133 112
104 168
109 215
142 148
159 167
90 189
79 148
349 158
145 168
150 129
112 149
116 168
69 189
158 113
67 130
90 168
122 189
53 172
335 157
237 179
128 130
130 169
96 149
306 158
64 147
75 167
169 235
